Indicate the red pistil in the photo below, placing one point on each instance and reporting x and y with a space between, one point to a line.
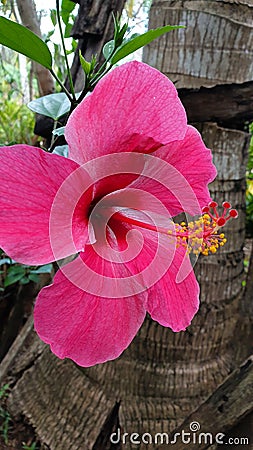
139 223
217 219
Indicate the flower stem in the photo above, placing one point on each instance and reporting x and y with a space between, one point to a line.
92 83
99 76
53 138
64 49
62 86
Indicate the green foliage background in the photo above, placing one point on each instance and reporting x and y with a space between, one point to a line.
16 120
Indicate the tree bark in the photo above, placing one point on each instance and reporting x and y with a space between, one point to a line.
215 47
232 401
224 106
163 376
211 62
27 12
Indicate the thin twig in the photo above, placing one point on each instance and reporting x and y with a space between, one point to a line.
62 86
65 52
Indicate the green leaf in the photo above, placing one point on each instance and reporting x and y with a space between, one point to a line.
93 62
67 32
116 23
14 270
47 268
4 391
5 261
67 7
74 45
120 35
49 34
137 42
12 279
53 16
59 131
52 105
24 280
85 64
108 49
62 150
33 277
19 38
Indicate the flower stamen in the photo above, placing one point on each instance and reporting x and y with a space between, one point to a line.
202 235
199 236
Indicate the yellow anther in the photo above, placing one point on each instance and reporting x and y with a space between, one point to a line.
199 236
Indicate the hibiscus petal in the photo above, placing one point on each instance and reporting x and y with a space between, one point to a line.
165 269
133 108
173 304
86 328
147 254
31 179
114 171
179 174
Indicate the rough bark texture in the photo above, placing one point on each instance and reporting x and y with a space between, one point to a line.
163 376
215 48
223 406
27 11
93 18
211 64
68 408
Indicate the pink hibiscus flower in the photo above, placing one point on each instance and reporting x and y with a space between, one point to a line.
134 163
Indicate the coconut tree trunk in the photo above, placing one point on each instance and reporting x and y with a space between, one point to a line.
214 52
211 63
163 376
